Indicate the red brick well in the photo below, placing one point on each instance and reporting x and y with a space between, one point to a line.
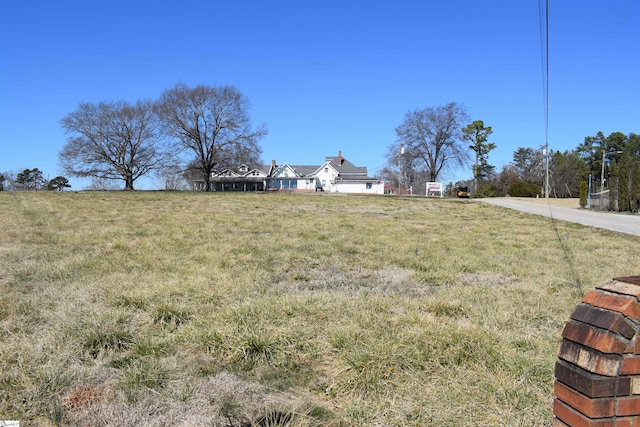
598 369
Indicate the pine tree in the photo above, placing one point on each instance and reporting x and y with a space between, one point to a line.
477 134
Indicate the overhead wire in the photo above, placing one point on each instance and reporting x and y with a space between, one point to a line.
544 51
543 7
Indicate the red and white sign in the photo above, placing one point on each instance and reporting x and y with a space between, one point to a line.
433 188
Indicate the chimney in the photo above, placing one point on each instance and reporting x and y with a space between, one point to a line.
340 159
273 163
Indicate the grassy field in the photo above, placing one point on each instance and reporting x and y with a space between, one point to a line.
159 308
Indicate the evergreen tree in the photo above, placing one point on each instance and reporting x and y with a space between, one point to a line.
30 179
58 183
624 171
477 134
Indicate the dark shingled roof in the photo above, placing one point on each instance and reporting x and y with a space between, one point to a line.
305 170
347 171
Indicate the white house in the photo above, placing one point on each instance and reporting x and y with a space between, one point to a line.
338 175
335 175
291 178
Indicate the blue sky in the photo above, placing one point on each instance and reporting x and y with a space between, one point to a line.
324 75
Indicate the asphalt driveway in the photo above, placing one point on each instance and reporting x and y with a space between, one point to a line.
623 223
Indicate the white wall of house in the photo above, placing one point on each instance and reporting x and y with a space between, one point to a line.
287 179
359 187
292 184
326 176
307 184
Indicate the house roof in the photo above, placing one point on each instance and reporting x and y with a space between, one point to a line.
344 166
347 171
264 168
304 170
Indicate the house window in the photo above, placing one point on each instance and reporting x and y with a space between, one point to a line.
369 186
326 170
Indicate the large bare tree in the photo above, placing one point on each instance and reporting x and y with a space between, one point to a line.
214 123
113 141
433 135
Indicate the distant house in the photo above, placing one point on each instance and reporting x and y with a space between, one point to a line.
339 175
335 175
244 179
287 177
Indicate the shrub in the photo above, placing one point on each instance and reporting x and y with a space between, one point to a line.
583 194
523 189
488 189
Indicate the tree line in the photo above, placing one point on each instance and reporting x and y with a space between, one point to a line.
33 180
189 130
608 165
434 140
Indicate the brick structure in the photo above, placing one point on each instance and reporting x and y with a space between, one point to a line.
598 368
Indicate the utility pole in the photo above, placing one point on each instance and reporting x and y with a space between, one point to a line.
604 153
589 194
401 162
546 181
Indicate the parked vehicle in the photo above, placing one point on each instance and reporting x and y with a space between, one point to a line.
462 192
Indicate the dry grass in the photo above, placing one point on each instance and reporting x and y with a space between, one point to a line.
153 308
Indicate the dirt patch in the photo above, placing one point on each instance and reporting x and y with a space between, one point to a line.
80 397
486 279
222 400
390 280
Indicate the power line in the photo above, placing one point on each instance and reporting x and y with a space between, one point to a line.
544 50
544 44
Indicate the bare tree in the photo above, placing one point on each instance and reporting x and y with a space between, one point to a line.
433 135
403 170
8 181
171 178
114 141
101 184
213 122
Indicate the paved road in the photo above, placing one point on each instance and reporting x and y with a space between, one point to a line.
623 223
